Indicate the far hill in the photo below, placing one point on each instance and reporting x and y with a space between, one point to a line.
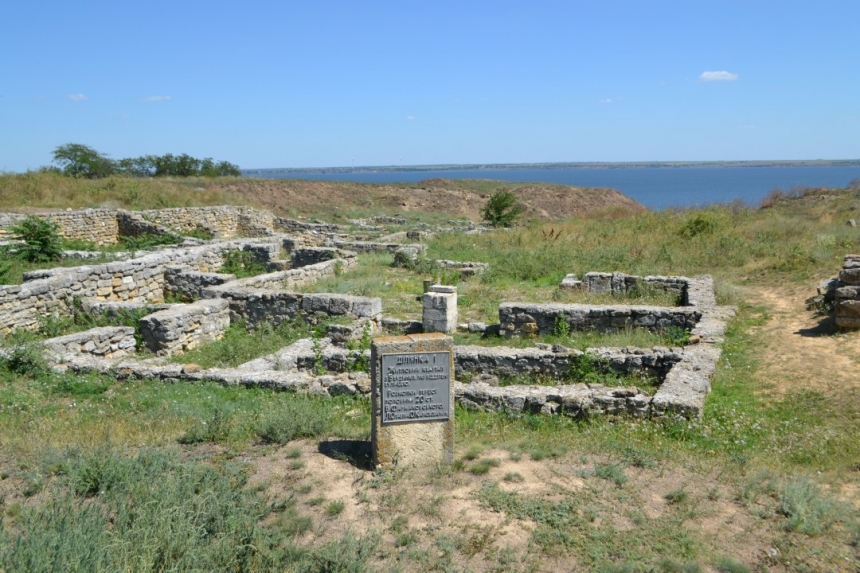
331 200
455 197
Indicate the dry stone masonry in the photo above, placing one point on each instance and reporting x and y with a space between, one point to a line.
440 309
847 295
297 259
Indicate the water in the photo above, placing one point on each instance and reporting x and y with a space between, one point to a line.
654 187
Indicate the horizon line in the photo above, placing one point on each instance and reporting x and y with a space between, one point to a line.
557 164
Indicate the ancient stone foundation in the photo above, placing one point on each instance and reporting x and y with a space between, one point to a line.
138 285
846 307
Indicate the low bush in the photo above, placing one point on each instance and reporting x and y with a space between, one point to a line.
242 264
502 209
42 241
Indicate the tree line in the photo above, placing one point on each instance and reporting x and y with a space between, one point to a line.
78 160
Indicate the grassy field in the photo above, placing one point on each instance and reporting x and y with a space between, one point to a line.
103 475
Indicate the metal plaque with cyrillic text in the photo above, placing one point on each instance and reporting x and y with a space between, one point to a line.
416 387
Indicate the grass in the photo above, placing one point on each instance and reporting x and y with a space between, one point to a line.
239 345
151 510
18 267
52 191
102 474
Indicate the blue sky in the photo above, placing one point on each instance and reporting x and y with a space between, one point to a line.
335 83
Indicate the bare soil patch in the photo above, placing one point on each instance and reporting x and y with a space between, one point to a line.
802 349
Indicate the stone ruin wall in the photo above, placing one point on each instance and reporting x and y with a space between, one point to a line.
136 280
532 320
106 226
684 373
846 306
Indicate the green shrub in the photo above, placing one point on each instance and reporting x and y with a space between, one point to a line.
502 209
26 360
42 241
242 264
703 223
586 367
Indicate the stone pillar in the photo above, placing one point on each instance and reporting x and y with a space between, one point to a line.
440 309
412 400
847 303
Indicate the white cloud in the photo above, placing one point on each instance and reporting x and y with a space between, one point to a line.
411 117
723 76
155 98
607 100
77 97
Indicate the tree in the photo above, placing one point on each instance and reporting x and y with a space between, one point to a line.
502 209
78 160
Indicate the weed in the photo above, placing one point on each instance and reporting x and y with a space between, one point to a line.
399 524
405 539
319 360
677 497
561 328
358 359
243 264
146 241
334 508
26 360
472 454
611 472
239 345
672 566
730 565
484 466
215 429
296 464
293 453
638 457
513 477
306 419
806 509
5 271
677 336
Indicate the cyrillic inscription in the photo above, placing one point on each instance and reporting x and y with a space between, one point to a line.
416 387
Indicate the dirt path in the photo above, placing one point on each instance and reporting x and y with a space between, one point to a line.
805 351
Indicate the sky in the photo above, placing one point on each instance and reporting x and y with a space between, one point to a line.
325 83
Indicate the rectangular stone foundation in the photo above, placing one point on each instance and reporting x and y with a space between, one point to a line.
411 443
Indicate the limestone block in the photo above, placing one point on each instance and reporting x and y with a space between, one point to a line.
412 443
848 309
850 275
440 309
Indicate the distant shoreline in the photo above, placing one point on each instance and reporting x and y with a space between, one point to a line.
555 166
